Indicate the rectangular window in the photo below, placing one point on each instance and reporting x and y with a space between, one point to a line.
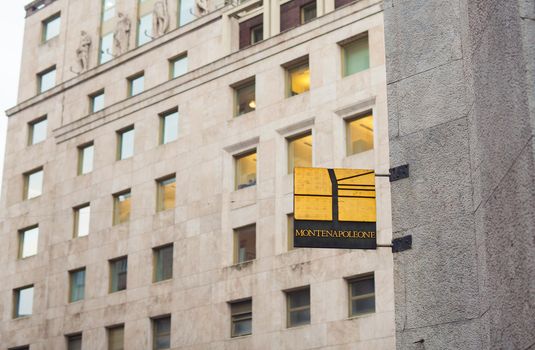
108 10
76 285
28 240
106 48
186 12
125 146
308 12
297 77
166 193
74 342
257 33
299 152
241 317
168 126
361 295
37 130
85 158
178 66
244 97
245 170
290 231
251 31
23 301
135 84
46 79
96 101
244 244
359 134
298 307
118 274
144 29
116 337
161 333
33 183
82 216
51 27
163 263
121 207
356 56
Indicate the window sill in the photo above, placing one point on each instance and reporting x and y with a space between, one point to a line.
241 336
242 265
360 316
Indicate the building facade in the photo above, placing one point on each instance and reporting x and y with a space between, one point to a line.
147 196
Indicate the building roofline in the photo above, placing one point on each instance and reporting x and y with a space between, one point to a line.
36 6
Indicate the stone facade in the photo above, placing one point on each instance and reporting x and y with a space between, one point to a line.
207 206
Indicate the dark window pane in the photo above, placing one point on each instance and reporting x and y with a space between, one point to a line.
362 306
299 317
74 342
300 298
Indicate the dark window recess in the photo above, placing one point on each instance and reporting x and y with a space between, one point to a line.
291 13
247 29
340 3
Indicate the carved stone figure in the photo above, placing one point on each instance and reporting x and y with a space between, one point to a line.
82 52
160 18
121 36
202 7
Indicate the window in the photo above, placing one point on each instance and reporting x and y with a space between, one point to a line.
25 347
178 66
298 78
308 12
251 31
116 337
125 146
121 207
85 158
96 101
241 317
46 79
82 215
37 131
244 244
108 10
107 27
299 152
356 56
135 84
290 231
33 183
28 240
163 263
359 134
245 170
118 273
168 126
298 307
257 33
161 333
23 303
166 193
361 295
76 285
186 12
144 29
74 342
106 47
244 97
51 27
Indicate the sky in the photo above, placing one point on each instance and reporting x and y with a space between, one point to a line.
11 33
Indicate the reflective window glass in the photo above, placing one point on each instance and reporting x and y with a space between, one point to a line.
245 98
85 159
77 285
161 328
106 48
118 271
179 66
166 193
47 79
81 220
244 244
299 79
96 102
245 170
361 295
144 29
169 127
51 27
356 56
299 152
126 144
241 318
38 131
136 84
186 12
298 304
28 240
74 342
23 301
163 263
122 207
359 134
34 184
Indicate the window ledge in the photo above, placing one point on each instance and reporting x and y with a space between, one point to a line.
360 316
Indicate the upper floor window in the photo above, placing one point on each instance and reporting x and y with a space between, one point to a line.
85 158
166 193
96 101
46 79
298 307
76 285
121 207
125 144
245 170
355 56
308 12
33 183
361 295
178 66
244 97
163 263
74 342
108 10
251 31
297 77
244 244
144 29
23 301
82 215
241 317
136 84
359 132
116 337
51 27
296 12
118 274
161 333
168 126
28 240
106 47
186 11
299 152
37 131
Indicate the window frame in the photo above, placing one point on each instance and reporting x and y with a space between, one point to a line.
155 258
71 284
347 123
92 98
240 316
81 157
173 60
26 187
236 158
293 138
289 310
305 7
350 282
116 202
16 300
21 237
40 76
31 132
111 264
154 321
109 330
160 201
120 133
291 66
162 117
76 219
253 30
44 27
236 250
347 42
130 82
237 88
71 337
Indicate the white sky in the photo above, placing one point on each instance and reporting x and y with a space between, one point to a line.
11 33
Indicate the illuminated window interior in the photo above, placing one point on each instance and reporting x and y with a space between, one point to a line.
166 193
245 98
298 78
299 152
360 134
122 207
246 170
